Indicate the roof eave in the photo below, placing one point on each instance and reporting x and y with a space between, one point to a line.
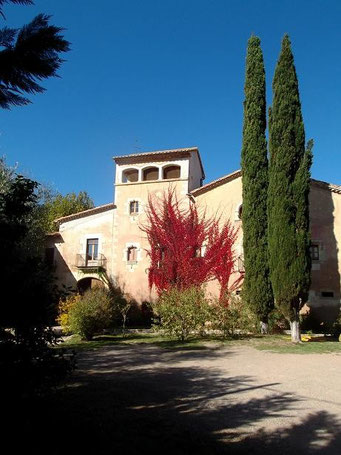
85 213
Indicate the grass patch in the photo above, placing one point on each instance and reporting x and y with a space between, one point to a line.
273 343
75 342
282 344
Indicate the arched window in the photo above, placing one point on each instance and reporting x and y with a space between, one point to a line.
171 172
130 175
132 254
240 211
151 173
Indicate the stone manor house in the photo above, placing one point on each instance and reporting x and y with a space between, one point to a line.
109 238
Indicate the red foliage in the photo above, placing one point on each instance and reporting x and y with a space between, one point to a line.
187 249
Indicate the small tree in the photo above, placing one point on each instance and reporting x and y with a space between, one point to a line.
55 206
234 319
182 313
187 248
24 272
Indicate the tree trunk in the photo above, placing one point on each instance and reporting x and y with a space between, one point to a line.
124 320
295 331
264 328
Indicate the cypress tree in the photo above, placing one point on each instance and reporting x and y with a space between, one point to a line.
289 184
257 291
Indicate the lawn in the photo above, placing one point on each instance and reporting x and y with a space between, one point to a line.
273 343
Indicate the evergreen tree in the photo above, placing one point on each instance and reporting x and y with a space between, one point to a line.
289 184
257 290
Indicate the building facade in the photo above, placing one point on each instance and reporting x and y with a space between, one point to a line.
109 238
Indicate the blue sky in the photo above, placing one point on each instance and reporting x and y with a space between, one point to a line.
158 74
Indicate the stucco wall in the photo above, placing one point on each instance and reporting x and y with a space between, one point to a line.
133 278
72 241
325 219
116 230
325 224
224 201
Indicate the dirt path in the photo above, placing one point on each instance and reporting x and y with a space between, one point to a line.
126 399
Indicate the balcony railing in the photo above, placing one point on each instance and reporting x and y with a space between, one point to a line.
85 262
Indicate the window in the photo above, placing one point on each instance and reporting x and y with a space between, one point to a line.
171 172
240 211
92 250
240 263
132 255
134 208
130 175
151 173
327 294
161 256
200 251
315 252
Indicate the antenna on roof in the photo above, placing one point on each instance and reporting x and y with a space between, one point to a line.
136 147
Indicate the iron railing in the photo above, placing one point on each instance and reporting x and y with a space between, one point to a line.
83 261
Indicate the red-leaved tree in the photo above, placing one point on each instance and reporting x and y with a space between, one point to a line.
187 248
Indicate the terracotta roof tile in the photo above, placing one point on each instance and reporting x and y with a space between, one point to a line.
217 182
327 186
229 177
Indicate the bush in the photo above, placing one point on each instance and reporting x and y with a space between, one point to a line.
91 313
28 363
64 308
121 306
234 318
182 313
277 322
336 327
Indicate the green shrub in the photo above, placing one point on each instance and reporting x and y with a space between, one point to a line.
336 328
233 319
182 313
91 314
64 308
277 322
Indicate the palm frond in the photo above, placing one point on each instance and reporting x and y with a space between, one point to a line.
33 57
9 98
18 2
7 36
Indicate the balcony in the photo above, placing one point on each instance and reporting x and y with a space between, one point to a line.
87 263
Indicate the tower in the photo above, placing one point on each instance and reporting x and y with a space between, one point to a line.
138 177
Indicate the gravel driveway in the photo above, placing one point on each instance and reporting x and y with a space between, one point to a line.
132 398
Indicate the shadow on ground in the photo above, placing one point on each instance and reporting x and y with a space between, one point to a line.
130 399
